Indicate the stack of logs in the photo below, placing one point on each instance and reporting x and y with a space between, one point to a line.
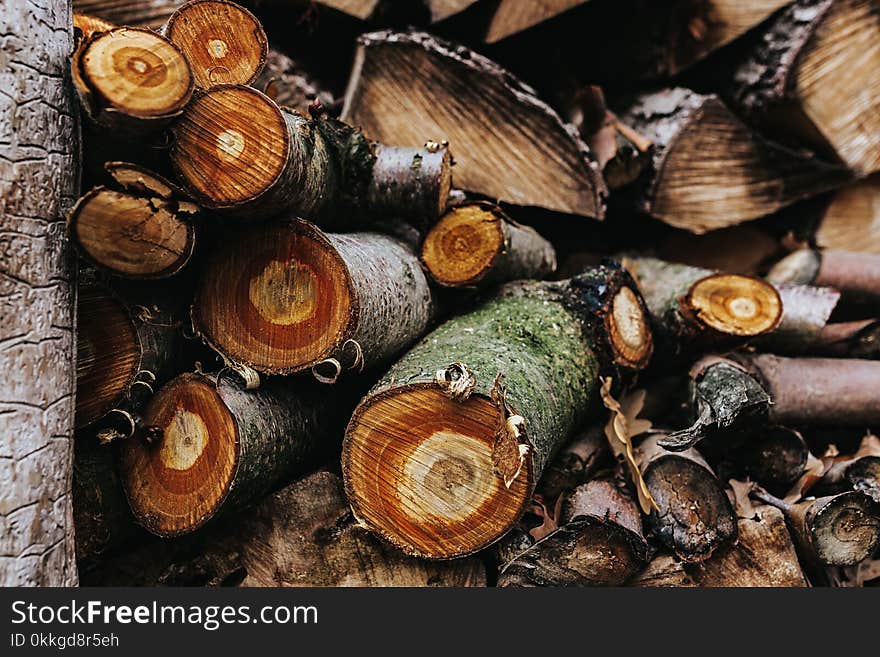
311 351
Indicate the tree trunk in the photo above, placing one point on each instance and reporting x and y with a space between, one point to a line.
477 244
477 409
38 183
305 299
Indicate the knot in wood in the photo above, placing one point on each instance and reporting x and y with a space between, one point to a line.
456 381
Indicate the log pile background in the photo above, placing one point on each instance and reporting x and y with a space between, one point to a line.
441 293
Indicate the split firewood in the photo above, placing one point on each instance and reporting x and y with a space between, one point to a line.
690 305
290 85
443 9
124 352
856 339
290 297
710 170
143 13
741 249
223 42
237 151
855 275
142 230
575 464
131 79
809 58
408 87
514 16
599 542
695 516
476 410
223 446
774 457
850 221
762 556
478 244
85 25
860 471
750 391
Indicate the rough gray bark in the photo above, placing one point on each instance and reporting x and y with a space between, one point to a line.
39 149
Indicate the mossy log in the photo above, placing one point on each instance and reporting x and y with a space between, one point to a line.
476 410
290 297
477 244
856 275
237 152
223 447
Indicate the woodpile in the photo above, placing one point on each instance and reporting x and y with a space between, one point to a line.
383 293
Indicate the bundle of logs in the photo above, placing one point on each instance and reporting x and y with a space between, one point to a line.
436 318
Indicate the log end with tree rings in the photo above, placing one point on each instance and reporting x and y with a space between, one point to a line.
223 42
133 73
735 305
280 303
179 483
629 329
130 235
843 529
463 245
232 145
419 470
108 354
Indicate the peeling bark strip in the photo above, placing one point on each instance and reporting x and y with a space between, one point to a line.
38 183
222 447
695 516
599 543
813 55
142 231
223 42
509 145
856 275
474 413
237 151
291 297
143 13
478 244
131 80
710 170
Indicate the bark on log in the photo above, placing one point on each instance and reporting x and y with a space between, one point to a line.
703 152
812 74
599 542
131 80
477 244
858 339
143 13
223 447
856 275
514 16
405 88
38 183
144 230
291 297
477 409
237 151
805 313
291 86
695 517
851 220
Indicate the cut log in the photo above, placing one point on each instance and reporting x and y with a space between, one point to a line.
478 244
131 79
695 516
774 457
223 42
813 74
742 249
443 9
223 447
805 315
143 231
851 220
599 542
85 25
690 305
514 16
39 149
143 13
860 471
476 410
290 85
710 170
575 464
237 151
858 339
405 88
290 297
856 275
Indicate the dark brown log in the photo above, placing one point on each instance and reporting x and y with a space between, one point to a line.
39 150
710 170
851 220
409 87
477 244
131 79
290 297
695 517
143 13
812 75
856 275
599 542
775 458
477 409
223 447
236 151
860 471
443 9
514 16
575 464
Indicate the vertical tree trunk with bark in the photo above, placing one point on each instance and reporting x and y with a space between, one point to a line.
39 144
